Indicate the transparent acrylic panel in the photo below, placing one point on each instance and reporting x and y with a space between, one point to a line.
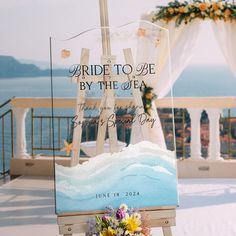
117 132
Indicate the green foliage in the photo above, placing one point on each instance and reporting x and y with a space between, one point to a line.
148 96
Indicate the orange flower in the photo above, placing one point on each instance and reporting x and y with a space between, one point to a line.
171 10
215 18
227 13
65 53
181 9
203 6
215 6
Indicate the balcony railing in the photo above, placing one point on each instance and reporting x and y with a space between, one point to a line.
6 137
201 130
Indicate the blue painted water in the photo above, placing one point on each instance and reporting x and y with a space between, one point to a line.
142 175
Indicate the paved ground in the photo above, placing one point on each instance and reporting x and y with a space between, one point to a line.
207 207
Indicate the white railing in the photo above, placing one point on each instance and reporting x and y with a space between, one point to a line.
212 105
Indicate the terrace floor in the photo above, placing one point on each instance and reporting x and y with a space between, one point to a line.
207 207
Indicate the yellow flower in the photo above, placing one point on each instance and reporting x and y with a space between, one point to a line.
108 232
203 6
68 147
133 224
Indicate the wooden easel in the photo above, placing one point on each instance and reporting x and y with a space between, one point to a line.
77 223
72 223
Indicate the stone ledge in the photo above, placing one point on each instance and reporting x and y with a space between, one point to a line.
206 169
43 166
40 166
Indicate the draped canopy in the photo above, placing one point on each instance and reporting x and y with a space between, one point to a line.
182 41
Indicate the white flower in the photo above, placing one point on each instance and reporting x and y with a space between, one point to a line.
124 207
137 215
192 15
186 9
125 218
119 231
116 222
218 12
220 4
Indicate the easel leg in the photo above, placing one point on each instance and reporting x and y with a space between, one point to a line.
167 231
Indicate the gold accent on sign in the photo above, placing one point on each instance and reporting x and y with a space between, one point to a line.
65 53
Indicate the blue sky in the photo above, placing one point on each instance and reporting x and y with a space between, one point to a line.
25 25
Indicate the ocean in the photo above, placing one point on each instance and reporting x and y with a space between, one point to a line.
195 81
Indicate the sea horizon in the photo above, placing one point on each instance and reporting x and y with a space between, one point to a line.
195 81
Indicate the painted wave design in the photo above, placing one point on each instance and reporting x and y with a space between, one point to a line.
143 166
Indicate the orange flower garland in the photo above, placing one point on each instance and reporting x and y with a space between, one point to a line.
186 12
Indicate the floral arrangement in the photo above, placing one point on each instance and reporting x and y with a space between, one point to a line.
120 222
148 96
186 12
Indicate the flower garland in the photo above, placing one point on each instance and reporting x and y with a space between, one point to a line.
148 96
120 222
186 12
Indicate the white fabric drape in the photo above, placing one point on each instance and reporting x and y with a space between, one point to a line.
225 33
147 53
182 41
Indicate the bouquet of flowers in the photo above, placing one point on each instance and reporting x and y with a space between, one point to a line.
120 222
